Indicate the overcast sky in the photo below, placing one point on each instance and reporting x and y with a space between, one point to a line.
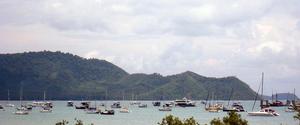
212 38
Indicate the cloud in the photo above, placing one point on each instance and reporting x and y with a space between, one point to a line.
213 38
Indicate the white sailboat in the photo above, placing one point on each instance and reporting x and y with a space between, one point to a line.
21 110
8 100
45 107
264 111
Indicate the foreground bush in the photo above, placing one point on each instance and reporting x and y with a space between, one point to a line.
233 118
65 122
171 120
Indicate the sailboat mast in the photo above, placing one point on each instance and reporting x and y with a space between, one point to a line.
294 94
8 98
44 95
262 86
21 95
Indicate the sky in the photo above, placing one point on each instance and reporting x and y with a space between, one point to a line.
214 38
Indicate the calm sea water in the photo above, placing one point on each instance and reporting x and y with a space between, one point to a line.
137 116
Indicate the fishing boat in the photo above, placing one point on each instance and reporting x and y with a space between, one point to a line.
70 104
107 112
8 100
184 102
265 111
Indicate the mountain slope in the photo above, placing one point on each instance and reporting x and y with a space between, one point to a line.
67 76
61 75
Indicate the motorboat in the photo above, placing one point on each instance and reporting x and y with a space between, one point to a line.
165 109
157 103
70 104
1 107
83 105
264 112
236 107
169 104
184 102
135 103
46 110
124 110
21 112
9 105
107 112
143 106
116 105
92 111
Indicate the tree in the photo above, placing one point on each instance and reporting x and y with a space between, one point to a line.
171 120
63 122
297 116
233 118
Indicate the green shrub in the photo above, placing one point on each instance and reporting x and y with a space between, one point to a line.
233 118
171 120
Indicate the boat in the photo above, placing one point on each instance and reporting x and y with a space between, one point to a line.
8 99
1 107
276 103
107 112
164 108
70 104
168 104
156 103
184 102
84 105
92 110
116 105
124 110
22 110
290 105
142 105
265 111
213 107
235 107
46 110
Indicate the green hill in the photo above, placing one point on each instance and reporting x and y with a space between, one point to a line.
67 76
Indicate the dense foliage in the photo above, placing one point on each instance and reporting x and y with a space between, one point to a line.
233 118
297 116
67 76
171 120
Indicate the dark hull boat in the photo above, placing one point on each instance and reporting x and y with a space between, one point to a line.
107 112
277 104
156 103
236 107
